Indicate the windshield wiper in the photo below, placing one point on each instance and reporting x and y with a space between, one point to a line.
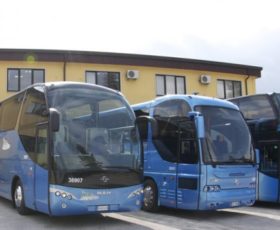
245 160
232 160
121 168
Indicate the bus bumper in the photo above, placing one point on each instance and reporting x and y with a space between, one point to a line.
76 201
227 199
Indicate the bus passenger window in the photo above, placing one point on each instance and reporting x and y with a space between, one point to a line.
188 144
270 159
33 113
9 112
169 116
42 147
250 107
189 152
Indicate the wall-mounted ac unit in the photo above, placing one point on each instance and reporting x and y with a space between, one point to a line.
132 74
205 79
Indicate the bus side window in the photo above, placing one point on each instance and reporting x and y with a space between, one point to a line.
269 159
42 146
189 152
250 107
9 112
33 113
168 114
188 143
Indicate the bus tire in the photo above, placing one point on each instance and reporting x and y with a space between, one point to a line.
18 199
150 202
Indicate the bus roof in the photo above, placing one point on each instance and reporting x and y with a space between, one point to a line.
62 84
253 95
193 100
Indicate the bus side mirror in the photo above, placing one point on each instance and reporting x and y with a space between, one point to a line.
142 124
200 127
54 119
199 120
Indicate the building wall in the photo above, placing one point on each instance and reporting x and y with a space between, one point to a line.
142 89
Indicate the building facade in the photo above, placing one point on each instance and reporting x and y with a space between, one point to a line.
138 77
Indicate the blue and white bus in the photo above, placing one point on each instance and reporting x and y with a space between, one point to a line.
198 154
262 114
50 159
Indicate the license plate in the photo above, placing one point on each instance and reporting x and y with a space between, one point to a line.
101 208
235 203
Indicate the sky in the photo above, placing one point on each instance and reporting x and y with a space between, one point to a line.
235 31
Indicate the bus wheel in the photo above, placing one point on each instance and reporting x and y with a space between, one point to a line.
18 198
150 196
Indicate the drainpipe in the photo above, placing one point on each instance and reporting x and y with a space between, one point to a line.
246 82
64 68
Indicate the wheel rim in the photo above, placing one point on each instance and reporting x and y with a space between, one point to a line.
148 196
18 196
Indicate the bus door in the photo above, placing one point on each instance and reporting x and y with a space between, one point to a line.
176 173
187 166
41 184
269 171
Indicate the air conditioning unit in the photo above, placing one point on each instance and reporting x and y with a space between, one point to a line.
132 74
205 79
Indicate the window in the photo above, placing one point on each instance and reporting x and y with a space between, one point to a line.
188 147
170 116
9 112
34 112
42 146
270 159
167 84
256 107
228 89
227 136
19 79
172 108
108 79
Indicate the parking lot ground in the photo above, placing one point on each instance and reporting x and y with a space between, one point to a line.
263 216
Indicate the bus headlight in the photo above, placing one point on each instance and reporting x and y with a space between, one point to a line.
57 193
212 188
64 195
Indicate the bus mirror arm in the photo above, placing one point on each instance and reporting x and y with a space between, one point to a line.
193 114
54 119
145 120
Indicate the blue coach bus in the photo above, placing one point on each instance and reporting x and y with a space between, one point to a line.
262 113
60 155
198 154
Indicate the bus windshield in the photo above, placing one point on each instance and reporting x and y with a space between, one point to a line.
227 137
97 136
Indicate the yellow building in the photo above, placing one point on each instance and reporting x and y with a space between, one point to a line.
138 77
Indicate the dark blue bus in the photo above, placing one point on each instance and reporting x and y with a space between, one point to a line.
60 155
262 113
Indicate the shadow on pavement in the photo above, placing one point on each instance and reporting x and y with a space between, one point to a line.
36 220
